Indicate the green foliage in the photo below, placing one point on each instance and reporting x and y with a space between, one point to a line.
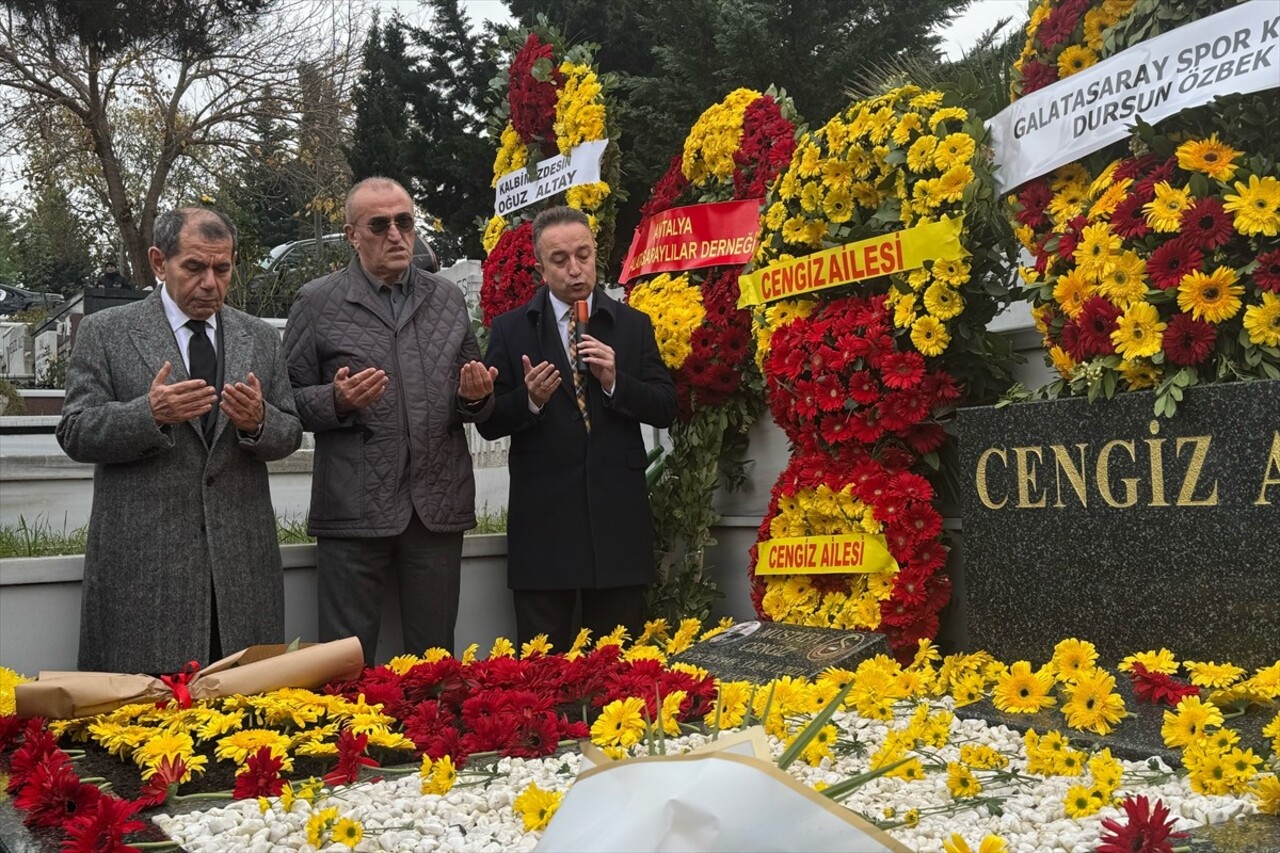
489 522
38 538
14 405
52 249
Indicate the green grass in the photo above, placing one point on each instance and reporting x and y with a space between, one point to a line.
39 538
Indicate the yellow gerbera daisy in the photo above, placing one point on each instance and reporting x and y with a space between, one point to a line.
1092 703
1164 212
1255 206
1125 283
1213 298
1022 691
956 149
537 806
620 723
1262 322
838 205
1162 661
1186 723
1139 332
1212 674
1074 59
920 154
930 336
348 831
961 782
1071 290
1098 250
1213 158
943 301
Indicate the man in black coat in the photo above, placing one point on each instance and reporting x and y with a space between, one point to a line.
578 514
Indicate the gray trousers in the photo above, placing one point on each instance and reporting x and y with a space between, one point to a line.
427 568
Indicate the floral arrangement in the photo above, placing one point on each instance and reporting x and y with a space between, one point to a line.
550 99
864 381
733 152
942 777
1063 38
1156 263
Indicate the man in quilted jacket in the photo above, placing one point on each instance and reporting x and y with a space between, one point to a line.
385 370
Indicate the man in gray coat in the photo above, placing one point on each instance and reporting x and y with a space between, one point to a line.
385 370
182 561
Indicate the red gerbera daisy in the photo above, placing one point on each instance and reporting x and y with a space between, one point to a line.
1036 75
261 776
54 794
1158 687
1171 261
1188 341
169 772
902 370
351 758
1206 224
1128 220
1148 830
103 829
1267 275
1097 322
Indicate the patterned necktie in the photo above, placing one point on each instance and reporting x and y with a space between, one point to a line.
203 364
579 381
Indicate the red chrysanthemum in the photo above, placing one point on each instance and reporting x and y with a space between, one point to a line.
669 188
532 102
1149 829
10 726
1188 341
1267 274
351 758
768 141
1206 225
508 273
1036 75
1171 261
1158 687
261 776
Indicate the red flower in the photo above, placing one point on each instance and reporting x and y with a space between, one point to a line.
1036 75
169 772
261 776
902 370
1206 225
102 830
351 758
1097 321
768 141
533 101
1149 829
667 191
1266 277
1058 25
1128 220
10 725
508 273
1188 341
1158 687
54 794
37 746
1032 200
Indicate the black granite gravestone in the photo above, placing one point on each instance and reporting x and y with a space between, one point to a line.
1101 522
761 651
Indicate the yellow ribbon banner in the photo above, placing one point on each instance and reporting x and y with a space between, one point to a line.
890 253
825 555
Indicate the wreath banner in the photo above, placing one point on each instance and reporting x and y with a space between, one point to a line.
1229 53
842 554
522 187
699 235
898 251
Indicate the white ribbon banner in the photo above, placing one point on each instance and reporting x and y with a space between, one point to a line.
554 175
1232 52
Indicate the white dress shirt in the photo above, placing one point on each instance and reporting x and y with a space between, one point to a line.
178 323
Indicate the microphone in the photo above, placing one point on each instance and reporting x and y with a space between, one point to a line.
581 317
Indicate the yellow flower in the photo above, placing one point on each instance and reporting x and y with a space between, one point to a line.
715 137
1080 802
1267 790
1213 674
1074 59
1139 332
674 305
1162 661
947 114
512 154
1139 374
956 149
942 301
1214 297
1022 691
1213 158
8 681
1262 322
930 336
1255 206
620 723
438 776
580 111
587 196
961 782
1073 658
920 154
911 124
990 844
1183 725
537 806
348 831
239 746
1125 283
1164 212
1071 290
1095 21
318 826
1098 250
1092 705
502 648
539 646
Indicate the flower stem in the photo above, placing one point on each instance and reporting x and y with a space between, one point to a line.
154 845
212 795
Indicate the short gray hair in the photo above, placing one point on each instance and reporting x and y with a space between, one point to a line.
374 182
210 224
562 215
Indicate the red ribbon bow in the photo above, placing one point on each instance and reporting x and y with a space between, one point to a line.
178 684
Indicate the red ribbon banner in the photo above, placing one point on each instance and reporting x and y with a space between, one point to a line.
178 684
692 237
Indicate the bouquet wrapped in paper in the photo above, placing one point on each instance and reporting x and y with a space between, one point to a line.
257 669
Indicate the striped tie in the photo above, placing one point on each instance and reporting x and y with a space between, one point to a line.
579 381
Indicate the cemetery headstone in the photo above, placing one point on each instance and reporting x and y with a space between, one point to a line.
761 651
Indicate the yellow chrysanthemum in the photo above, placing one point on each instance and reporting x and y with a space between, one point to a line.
1162 661
956 149
715 137
1022 691
8 681
943 301
1262 322
580 111
536 806
1267 791
674 306
1092 704
1189 721
512 154
1255 206
1210 674
1214 297
348 831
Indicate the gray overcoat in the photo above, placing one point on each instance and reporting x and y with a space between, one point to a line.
169 513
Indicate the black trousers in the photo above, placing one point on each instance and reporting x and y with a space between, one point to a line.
550 612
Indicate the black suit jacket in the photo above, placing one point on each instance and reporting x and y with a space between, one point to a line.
579 507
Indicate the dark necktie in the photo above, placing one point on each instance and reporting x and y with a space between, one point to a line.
203 365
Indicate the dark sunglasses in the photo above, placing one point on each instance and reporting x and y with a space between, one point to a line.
379 224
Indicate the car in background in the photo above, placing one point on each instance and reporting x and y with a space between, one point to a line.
290 265
14 300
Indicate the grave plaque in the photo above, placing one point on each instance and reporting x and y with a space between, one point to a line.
1102 522
761 651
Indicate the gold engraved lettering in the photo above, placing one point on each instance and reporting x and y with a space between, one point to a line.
1064 466
1104 472
981 477
1027 477
1156 458
1273 462
1200 452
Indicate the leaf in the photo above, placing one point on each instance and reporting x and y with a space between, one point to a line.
811 730
293 647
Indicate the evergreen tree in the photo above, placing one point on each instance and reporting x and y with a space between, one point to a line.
52 249
380 143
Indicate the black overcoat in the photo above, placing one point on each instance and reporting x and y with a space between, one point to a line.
578 513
